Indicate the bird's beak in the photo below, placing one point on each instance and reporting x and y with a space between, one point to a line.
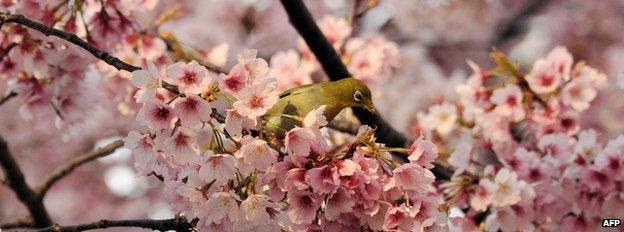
371 108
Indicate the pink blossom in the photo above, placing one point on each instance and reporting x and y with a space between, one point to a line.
147 81
143 150
182 145
289 70
156 116
217 55
484 195
315 118
440 118
220 206
255 209
508 188
256 100
611 159
235 81
192 78
423 152
295 179
255 66
543 78
303 206
151 48
235 123
508 102
561 61
218 167
194 198
257 154
555 146
339 202
323 180
192 110
336 30
401 218
413 177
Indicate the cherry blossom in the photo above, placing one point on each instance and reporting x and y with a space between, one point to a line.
148 81
192 110
256 100
192 78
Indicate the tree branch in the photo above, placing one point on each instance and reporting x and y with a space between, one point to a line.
514 26
177 224
16 181
6 17
7 97
21 223
64 170
302 21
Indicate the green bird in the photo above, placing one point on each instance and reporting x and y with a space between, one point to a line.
297 102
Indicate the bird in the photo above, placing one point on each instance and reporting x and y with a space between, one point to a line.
296 103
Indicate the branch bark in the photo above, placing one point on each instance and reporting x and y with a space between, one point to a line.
16 181
177 224
304 23
7 97
514 26
302 20
66 169
6 17
21 223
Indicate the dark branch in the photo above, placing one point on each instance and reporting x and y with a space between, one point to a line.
515 25
7 97
16 181
302 20
176 224
21 223
64 170
6 17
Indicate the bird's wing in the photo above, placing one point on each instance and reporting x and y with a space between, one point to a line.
295 90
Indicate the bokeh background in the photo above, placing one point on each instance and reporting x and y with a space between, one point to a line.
434 39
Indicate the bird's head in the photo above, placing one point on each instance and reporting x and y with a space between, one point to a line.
357 94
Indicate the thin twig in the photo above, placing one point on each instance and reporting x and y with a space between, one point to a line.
75 163
21 223
17 182
7 97
6 17
304 23
176 224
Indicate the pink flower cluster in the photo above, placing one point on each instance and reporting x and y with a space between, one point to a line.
370 58
521 161
204 145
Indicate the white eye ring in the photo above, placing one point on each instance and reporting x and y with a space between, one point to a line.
357 96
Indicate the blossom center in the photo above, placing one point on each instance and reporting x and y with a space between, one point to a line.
256 101
189 78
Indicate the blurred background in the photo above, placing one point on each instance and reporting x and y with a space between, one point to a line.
431 39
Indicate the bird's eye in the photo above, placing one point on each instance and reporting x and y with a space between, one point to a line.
357 96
